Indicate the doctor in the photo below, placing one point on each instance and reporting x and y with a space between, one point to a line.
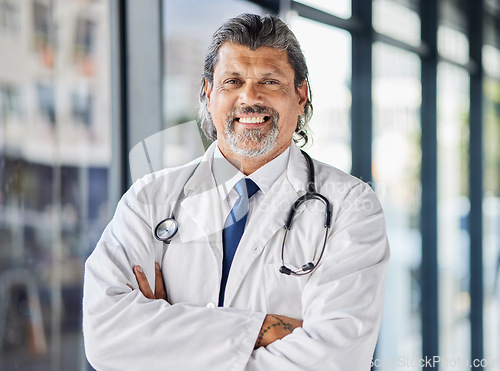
214 298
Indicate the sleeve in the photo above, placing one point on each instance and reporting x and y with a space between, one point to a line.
343 300
123 330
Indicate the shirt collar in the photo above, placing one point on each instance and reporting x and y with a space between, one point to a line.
226 175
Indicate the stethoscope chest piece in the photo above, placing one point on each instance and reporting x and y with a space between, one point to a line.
166 229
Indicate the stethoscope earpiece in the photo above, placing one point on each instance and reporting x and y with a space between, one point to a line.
308 267
285 270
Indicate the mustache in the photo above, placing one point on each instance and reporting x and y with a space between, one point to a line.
236 112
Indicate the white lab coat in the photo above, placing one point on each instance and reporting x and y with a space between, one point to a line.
340 302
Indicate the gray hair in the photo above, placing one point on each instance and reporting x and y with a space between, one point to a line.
254 32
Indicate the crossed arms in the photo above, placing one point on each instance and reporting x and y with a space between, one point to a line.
274 327
124 329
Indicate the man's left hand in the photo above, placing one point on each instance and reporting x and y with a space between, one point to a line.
160 292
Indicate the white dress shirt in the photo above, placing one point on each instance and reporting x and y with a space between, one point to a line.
226 176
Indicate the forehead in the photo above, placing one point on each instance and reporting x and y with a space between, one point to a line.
234 58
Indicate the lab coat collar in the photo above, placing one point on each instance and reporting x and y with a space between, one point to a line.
226 175
202 179
297 171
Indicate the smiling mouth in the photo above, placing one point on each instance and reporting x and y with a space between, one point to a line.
253 120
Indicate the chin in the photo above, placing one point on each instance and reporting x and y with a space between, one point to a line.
250 153
252 143
254 151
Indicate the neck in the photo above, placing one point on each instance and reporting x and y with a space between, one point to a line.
247 165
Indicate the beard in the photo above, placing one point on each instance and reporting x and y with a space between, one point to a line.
252 142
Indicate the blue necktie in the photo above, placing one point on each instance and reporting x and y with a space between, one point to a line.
234 227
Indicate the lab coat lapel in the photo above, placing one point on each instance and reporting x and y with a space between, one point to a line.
201 202
268 219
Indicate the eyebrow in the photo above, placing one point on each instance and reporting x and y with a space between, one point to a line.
229 73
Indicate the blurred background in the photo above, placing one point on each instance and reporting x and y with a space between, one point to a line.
406 96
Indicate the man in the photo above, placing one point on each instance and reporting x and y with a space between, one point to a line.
208 300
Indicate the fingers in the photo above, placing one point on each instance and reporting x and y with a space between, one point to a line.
160 292
143 282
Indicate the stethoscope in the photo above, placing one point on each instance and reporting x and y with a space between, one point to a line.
167 228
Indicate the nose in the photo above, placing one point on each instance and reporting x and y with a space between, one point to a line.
251 94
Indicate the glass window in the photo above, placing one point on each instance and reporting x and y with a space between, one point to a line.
452 40
329 65
453 211
404 21
11 102
491 219
491 61
397 156
54 161
491 202
340 8
46 104
85 36
9 17
453 44
41 25
453 89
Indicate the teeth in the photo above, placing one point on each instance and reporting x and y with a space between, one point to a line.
251 120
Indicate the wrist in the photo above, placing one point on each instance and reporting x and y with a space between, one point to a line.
276 327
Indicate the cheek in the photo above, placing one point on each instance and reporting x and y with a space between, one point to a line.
287 128
291 112
218 114
218 106
291 128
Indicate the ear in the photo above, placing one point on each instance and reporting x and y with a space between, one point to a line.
208 92
302 94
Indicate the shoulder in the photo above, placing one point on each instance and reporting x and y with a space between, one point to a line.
345 190
160 185
329 180
328 174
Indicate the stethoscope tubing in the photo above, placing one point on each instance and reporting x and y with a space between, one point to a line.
310 194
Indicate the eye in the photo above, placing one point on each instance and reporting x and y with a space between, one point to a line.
232 81
271 82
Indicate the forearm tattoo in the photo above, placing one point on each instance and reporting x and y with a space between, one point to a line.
279 322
